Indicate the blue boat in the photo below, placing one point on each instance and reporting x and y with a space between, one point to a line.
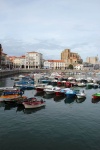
70 94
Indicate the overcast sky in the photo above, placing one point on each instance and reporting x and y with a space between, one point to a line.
50 26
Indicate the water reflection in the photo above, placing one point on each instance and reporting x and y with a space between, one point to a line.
80 100
69 100
2 104
58 98
95 100
9 106
34 110
20 108
39 94
48 96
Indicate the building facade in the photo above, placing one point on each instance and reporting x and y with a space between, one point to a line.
92 60
54 64
70 58
19 62
79 67
3 60
33 60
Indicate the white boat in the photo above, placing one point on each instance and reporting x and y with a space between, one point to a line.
34 103
81 95
41 87
8 88
81 84
51 89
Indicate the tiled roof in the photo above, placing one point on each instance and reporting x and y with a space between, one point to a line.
55 61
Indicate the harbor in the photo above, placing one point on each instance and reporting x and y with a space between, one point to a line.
60 124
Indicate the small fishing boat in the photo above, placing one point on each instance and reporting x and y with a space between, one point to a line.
70 94
68 84
81 95
10 98
95 85
33 103
80 100
12 92
8 88
51 90
96 96
61 92
40 87
89 85
81 84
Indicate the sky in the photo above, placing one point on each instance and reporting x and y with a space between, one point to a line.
50 26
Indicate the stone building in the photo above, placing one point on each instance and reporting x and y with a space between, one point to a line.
70 57
92 60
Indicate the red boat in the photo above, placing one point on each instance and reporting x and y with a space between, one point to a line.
68 84
59 83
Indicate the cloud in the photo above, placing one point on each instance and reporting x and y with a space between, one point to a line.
50 26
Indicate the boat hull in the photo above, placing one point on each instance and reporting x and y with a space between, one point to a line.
31 106
96 96
59 93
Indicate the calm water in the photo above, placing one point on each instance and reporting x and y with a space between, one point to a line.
61 125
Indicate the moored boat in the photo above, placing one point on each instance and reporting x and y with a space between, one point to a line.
10 98
81 84
34 103
51 89
61 92
40 87
70 94
96 96
81 95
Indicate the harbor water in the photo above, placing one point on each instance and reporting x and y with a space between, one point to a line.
60 125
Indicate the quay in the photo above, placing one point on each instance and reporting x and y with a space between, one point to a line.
7 73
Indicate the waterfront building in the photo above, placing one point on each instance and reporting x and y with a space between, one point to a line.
9 63
1 50
79 67
54 64
33 60
19 62
70 57
3 60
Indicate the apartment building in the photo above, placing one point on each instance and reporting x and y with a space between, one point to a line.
19 62
70 58
33 60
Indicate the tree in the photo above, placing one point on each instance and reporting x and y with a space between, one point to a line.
70 66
